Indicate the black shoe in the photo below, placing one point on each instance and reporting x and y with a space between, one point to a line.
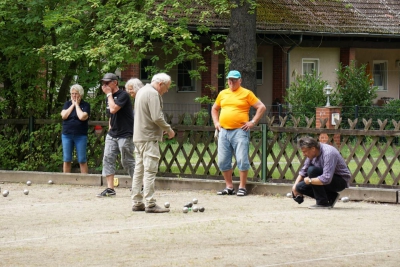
316 206
333 202
108 192
226 191
299 199
241 192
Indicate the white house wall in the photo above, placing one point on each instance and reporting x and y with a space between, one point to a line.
328 59
264 90
392 56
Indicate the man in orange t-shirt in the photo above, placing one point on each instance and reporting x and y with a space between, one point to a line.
234 126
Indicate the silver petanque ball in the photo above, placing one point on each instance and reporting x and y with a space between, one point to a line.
289 194
50 182
195 201
188 205
201 209
185 210
166 204
195 209
26 191
345 199
28 183
5 193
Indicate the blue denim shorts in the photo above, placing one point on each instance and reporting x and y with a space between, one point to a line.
68 143
233 142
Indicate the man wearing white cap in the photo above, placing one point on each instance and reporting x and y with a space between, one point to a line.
234 124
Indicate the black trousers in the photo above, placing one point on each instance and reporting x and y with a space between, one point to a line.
323 194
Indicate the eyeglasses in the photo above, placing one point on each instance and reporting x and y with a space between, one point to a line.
233 80
105 83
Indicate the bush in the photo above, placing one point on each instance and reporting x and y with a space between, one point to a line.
306 93
355 87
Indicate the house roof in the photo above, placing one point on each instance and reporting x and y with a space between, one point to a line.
338 17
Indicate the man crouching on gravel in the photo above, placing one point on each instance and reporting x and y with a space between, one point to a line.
323 174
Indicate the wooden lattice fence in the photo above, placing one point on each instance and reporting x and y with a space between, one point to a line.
372 155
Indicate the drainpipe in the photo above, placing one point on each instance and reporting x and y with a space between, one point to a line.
288 61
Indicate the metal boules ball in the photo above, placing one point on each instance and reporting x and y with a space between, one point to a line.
188 205
345 199
195 209
194 200
166 204
50 182
26 191
185 210
5 193
289 195
201 209
28 183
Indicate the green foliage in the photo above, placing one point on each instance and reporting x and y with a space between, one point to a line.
390 110
43 150
354 86
45 44
204 100
306 93
9 149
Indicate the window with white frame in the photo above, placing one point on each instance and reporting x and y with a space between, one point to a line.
185 82
145 73
379 74
259 71
310 65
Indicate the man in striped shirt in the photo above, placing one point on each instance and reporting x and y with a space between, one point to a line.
323 174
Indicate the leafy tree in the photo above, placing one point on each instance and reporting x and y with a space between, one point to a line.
46 44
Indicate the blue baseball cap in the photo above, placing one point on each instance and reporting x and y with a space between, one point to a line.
234 74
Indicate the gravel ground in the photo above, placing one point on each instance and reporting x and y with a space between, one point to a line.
64 225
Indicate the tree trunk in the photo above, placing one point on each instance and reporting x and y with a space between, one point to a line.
64 88
241 45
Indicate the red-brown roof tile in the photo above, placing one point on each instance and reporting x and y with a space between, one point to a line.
343 17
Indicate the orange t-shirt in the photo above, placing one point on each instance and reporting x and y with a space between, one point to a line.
235 107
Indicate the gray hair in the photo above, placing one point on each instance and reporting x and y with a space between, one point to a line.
78 88
161 78
308 142
135 83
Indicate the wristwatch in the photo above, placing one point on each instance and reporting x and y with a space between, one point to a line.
253 122
310 180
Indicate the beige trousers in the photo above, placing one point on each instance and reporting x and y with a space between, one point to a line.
147 159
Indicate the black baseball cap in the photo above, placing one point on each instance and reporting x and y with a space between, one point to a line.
110 77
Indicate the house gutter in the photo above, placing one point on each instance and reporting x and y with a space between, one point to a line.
294 32
288 60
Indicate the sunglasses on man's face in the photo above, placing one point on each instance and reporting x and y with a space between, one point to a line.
106 83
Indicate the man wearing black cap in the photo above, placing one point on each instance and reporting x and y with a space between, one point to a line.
120 132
